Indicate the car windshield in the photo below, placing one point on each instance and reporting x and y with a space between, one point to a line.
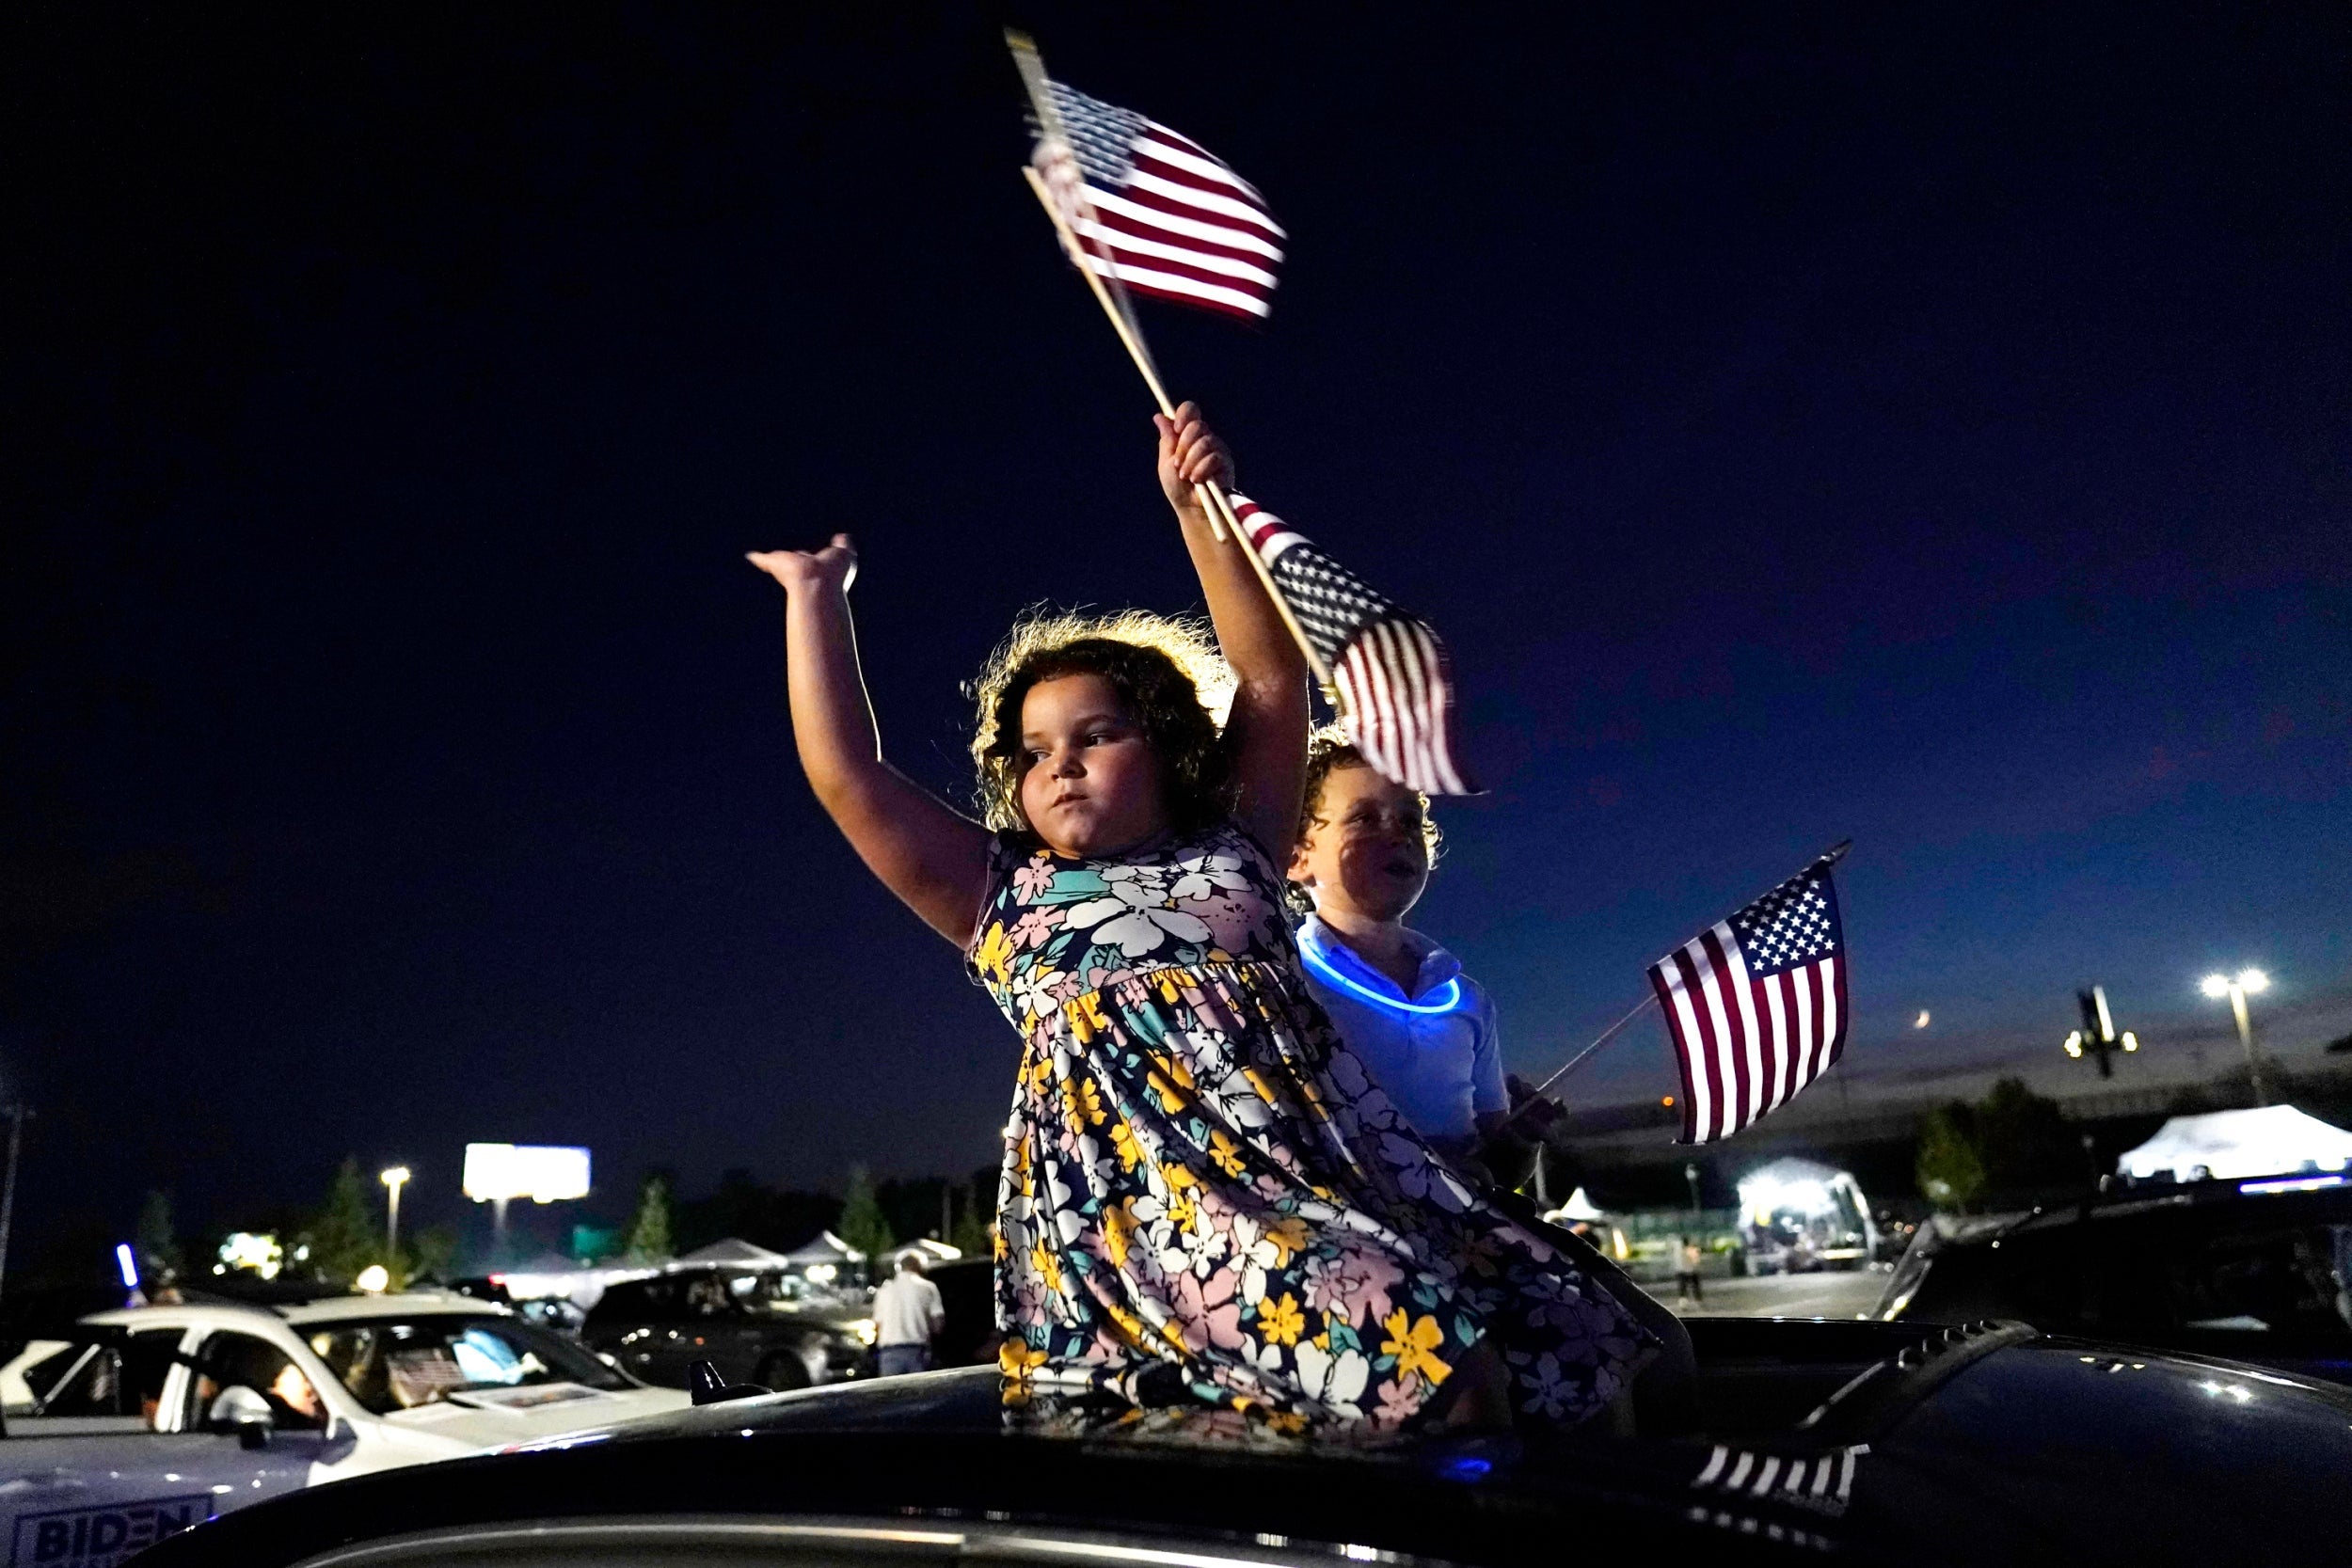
778 1293
391 1364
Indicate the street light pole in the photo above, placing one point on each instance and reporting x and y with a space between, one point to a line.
393 1180
2236 987
7 1189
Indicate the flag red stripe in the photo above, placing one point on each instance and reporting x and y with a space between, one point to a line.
1389 648
1126 258
1126 223
1180 139
1176 174
1742 1107
1178 296
1837 1039
1710 1067
1785 1050
1682 1056
1817 1053
1181 143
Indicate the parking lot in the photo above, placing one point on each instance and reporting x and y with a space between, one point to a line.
1783 1295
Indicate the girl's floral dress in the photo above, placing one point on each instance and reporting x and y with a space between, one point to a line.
1201 1184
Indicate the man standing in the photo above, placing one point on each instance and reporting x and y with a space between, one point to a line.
1689 1259
907 1314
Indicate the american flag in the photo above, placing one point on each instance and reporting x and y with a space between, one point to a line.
1396 685
1756 1004
1157 210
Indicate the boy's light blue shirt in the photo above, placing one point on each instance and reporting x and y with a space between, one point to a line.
1441 1067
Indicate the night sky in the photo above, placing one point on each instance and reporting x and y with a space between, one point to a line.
1928 426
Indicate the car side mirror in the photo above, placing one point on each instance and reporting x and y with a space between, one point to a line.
240 1410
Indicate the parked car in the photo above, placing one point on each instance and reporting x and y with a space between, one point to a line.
1867 1442
755 1326
967 1296
2256 1271
139 1423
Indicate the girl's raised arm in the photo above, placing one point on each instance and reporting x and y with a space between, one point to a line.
935 860
1267 732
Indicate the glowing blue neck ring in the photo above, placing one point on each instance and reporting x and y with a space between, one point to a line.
1362 993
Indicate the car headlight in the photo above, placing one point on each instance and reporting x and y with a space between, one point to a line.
864 1331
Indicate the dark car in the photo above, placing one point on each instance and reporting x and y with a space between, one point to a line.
967 1296
2255 1271
1868 1442
755 1326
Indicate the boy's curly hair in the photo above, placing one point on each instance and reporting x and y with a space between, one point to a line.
1329 749
1169 678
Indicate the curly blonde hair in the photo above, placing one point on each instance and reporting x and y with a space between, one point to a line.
1329 749
1169 678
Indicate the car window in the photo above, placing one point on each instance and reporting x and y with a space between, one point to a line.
228 1359
2286 1280
707 1296
401 1363
640 1301
100 1381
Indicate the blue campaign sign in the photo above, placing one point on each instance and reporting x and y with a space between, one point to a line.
102 1537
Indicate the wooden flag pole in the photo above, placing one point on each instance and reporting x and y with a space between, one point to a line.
1222 518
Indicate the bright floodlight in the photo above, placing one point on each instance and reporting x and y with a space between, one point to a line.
395 1176
2216 986
375 1277
2252 981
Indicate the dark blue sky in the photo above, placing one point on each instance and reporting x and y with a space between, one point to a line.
1929 428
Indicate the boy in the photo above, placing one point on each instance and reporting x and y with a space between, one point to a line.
1425 1030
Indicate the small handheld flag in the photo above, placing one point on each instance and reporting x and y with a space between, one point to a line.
1756 1004
1154 210
1138 207
1394 679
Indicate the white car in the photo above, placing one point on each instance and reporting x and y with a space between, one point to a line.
149 1419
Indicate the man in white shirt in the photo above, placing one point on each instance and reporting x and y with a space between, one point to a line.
907 1314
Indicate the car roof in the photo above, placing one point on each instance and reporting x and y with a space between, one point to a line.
2226 1202
326 1310
406 1304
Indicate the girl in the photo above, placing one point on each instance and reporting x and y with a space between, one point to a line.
1204 1194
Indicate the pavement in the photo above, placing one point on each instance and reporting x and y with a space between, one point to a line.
1783 1295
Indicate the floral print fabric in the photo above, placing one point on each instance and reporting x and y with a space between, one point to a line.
1202 1187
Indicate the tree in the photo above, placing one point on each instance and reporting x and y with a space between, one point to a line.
975 1231
432 1254
1951 1172
2024 1141
158 1248
862 1223
649 1232
344 1239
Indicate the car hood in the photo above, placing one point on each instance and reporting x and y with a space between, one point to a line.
501 1418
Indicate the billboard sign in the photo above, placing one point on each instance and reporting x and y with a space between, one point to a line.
540 1172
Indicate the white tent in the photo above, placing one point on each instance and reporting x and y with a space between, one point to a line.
1823 1208
826 1248
1578 1207
735 1251
2228 1146
930 1251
